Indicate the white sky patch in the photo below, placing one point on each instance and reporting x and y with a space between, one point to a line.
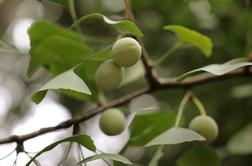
19 34
6 149
46 114
5 102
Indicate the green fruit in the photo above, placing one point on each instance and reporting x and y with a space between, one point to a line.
126 52
112 122
205 126
109 75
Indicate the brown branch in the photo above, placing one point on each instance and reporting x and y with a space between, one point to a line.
68 123
150 74
164 84
202 79
155 83
128 11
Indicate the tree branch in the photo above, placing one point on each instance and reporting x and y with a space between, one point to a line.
164 84
155 83
150 74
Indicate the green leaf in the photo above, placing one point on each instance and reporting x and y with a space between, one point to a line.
67 80
34 161
217 69
198 156
115 157
61 2
83 74
58 54
101 55
83 140
124 26
157 156
42 29
145 127
188 36
175 135
86 71
240 143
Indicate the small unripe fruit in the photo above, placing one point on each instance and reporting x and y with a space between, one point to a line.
108 75
126 52
205 126
112 122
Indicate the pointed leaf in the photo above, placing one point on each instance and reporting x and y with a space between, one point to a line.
40 30
67 80
83 140
58 54
188 36
115 157
124 26
176 135
198 156
145 127
240 143
217 69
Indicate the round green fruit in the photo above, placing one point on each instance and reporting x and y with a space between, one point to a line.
126 52
109 75
112 122
205 126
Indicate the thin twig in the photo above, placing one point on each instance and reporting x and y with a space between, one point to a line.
8 154
66 153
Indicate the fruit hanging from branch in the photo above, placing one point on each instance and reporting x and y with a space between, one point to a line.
205 126
109 75
112 122
126 52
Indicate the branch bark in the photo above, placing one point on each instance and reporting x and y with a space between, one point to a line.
150 74
155 83
163 84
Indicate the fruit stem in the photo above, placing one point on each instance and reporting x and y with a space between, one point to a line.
181 108
168 53
157 156
199 105
73 14
102 98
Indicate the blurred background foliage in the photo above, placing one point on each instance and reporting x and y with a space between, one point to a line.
227 22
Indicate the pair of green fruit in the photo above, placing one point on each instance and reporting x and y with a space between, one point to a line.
112 122
125 53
